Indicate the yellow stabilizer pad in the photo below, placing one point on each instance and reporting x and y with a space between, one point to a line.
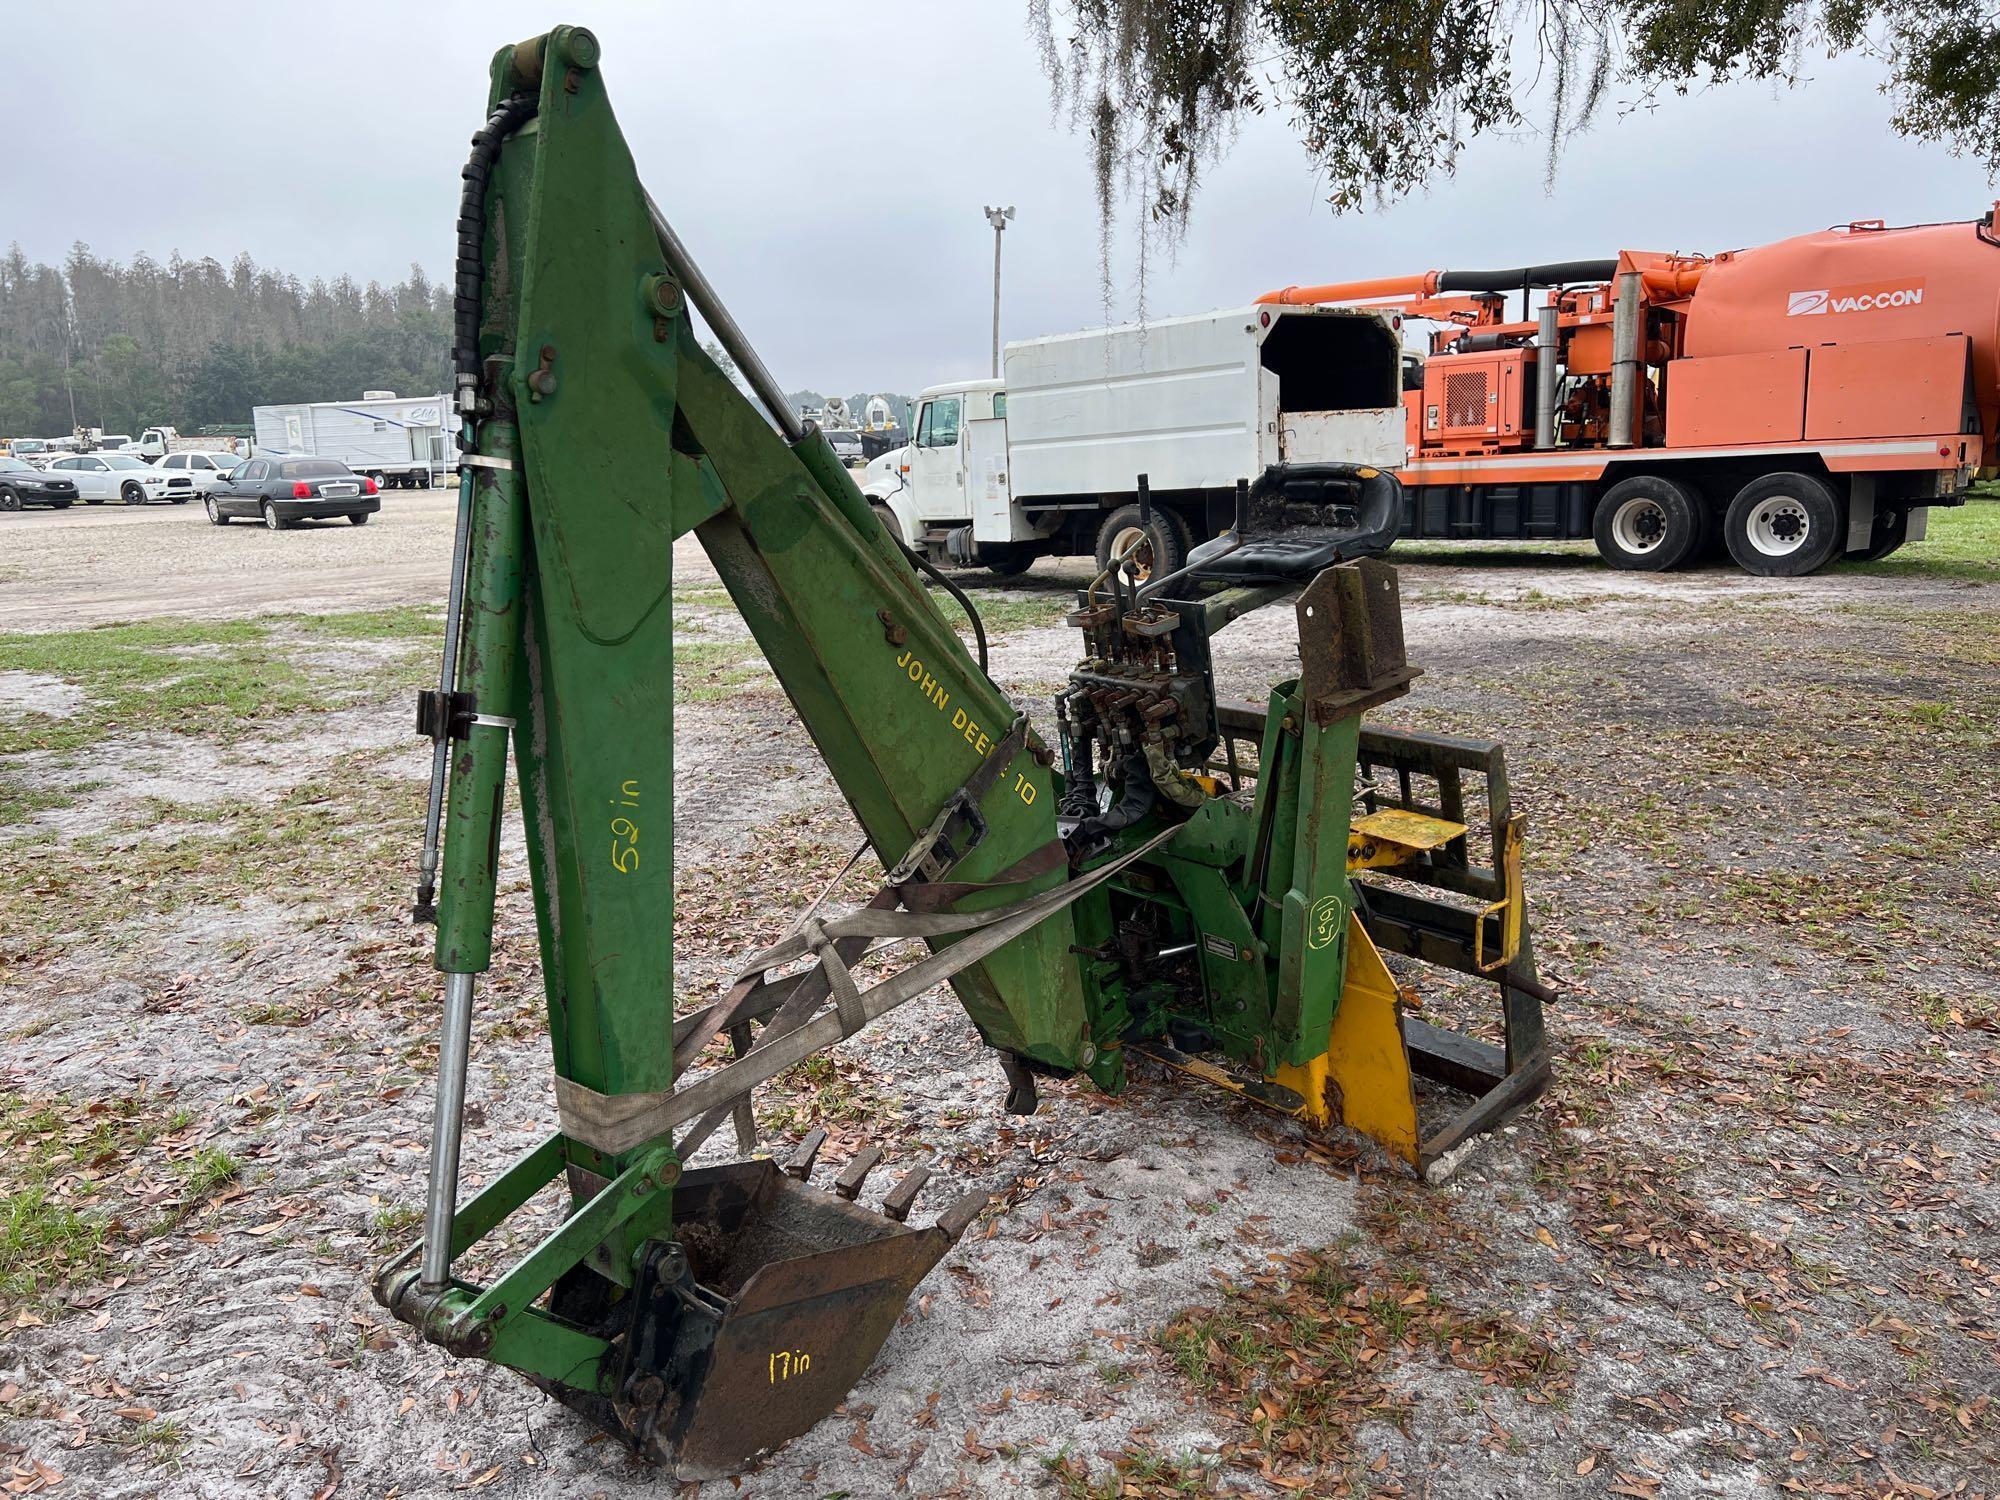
1365 1060
1392 835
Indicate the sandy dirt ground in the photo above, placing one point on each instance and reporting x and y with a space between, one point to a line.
93 564
1749 1243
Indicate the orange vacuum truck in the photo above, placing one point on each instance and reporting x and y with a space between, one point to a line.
1793 404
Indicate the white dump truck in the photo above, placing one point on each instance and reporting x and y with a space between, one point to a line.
404 441
1047 461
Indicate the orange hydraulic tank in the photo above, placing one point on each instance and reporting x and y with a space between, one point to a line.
1859 285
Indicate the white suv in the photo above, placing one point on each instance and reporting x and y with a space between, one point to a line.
203 468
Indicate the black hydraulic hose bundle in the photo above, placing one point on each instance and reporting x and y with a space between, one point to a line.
471 269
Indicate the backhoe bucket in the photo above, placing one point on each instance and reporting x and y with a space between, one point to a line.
756 1321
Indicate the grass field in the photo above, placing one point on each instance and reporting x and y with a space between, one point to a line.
1963 543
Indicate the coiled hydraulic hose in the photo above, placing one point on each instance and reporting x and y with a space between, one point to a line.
471 269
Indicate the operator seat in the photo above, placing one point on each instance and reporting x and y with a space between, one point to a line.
1304 518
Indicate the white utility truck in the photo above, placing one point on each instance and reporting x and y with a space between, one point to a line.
404 441
1047 461
158 442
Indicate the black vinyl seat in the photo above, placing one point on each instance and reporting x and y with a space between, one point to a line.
1306 518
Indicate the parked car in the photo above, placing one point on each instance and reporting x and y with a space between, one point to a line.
846 445
205 469
24 484
283 491
116 476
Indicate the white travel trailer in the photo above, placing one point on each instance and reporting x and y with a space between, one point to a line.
405 441
1288 400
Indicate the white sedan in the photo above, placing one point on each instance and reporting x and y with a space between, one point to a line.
117 476
205 469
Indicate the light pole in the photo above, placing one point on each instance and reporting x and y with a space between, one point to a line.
998 218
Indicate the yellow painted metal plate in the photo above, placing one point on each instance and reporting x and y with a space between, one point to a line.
1413 830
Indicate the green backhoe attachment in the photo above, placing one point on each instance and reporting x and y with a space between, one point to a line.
1207 885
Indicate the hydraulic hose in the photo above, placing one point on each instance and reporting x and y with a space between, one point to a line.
923 565
471 269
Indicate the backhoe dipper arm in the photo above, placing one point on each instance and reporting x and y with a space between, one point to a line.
601 433
706 1314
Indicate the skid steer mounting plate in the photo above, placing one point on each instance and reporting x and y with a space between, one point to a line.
756 1321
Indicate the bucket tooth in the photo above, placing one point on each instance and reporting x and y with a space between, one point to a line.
897 1202
799 1165
848 1183
955 1220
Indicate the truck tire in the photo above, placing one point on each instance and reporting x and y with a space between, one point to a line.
1167 541
1708 545
1784 525
1892 529
1007 559
1648 524
887 518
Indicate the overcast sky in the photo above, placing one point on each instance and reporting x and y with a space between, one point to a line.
827 165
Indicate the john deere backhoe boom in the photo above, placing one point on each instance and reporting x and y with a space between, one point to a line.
1160 892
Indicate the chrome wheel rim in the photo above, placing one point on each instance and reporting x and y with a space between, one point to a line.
1779 526
1639 526
1129 537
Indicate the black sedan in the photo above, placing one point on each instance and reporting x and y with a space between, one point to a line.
24 484
282 491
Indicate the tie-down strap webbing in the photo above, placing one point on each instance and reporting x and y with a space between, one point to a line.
642 1117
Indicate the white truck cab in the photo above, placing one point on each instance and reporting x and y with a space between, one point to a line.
1274 397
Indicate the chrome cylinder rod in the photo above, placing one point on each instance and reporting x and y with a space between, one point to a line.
447 1126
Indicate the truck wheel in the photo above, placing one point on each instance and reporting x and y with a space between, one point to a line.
381 480
1647 523
1892 529
1163 550
1007 559
1707 546
1784 526
887 518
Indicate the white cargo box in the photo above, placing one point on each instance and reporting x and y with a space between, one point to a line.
1197 403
